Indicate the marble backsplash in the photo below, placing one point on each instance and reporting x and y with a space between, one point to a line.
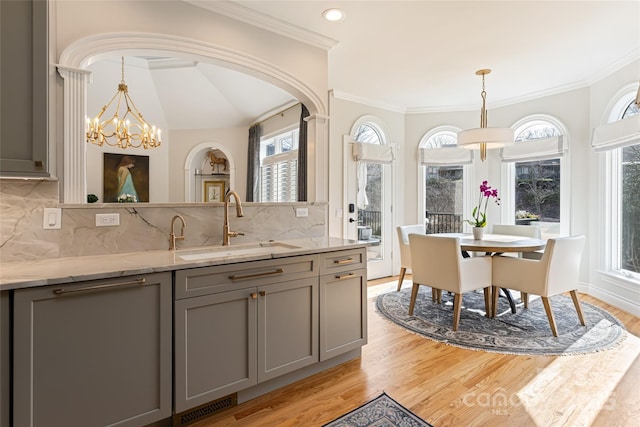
142 226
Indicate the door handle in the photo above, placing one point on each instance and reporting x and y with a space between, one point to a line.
352 220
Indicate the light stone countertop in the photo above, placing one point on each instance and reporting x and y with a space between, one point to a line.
27 274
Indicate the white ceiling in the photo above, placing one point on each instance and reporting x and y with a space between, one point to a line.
407 56
423 55
186 94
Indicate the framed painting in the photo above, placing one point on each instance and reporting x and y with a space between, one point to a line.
126 178
213 191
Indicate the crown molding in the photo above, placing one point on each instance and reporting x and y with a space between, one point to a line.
370 102
628 59
269 23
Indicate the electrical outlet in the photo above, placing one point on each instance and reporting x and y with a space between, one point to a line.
107 220
300 212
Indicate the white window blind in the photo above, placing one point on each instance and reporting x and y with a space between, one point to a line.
535 149
618 134
279 177
374 153
446 156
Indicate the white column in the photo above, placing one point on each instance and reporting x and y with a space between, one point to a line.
318 155
74 184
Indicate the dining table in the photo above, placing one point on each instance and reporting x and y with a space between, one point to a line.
496 244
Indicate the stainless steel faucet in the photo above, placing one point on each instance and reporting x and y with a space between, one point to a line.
226 233
172 236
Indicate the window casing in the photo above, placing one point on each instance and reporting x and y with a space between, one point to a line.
537 179
442 183
621 201
279 167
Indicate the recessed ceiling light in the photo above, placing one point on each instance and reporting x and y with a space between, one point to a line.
333 15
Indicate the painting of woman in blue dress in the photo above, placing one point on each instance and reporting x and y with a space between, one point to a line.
126 178
126 189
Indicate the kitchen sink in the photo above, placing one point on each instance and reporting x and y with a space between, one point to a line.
212 252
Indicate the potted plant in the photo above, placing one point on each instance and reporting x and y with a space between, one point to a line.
479 214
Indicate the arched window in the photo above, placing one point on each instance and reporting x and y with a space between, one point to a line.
369 133
535 174
619 144
630 215
442 180
536 129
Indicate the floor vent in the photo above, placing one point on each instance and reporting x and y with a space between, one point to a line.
204 411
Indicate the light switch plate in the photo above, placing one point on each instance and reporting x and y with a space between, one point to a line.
52 219
300 212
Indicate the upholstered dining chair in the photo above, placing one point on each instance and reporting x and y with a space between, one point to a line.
555 273
405 252
438 263
520 230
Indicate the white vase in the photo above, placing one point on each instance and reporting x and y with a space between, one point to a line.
478 233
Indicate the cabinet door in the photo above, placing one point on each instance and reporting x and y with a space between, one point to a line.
343 316
4 358
215 346
288 327
24 88
93 353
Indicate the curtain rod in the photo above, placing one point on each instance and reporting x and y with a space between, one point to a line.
280 113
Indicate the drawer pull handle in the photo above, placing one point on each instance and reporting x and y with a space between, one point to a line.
254 295
343 261
252 276
62 291
263 293
344 276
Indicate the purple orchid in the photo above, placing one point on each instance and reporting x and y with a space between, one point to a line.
486 192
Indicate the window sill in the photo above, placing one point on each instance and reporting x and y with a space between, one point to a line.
621 278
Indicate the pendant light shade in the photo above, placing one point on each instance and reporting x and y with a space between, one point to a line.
491 137
484 137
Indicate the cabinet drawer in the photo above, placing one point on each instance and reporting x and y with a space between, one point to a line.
207 280
333 262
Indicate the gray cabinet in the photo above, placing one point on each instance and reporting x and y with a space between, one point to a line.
249 323
215 346
343 302
93 353
287 327
4 358
24 88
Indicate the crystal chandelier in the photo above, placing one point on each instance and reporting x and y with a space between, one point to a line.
127 130
484 137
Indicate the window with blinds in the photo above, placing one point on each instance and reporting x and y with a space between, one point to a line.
279 167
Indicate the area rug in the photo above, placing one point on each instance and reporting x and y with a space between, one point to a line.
382 411
525 332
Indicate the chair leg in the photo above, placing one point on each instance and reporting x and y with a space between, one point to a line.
525 299
414 295
576 302
487 301
439 296
401 278
495 293
434 295
457 305
552 322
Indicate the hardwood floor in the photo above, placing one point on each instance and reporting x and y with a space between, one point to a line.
449 386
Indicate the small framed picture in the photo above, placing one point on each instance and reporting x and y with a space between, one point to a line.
213 191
